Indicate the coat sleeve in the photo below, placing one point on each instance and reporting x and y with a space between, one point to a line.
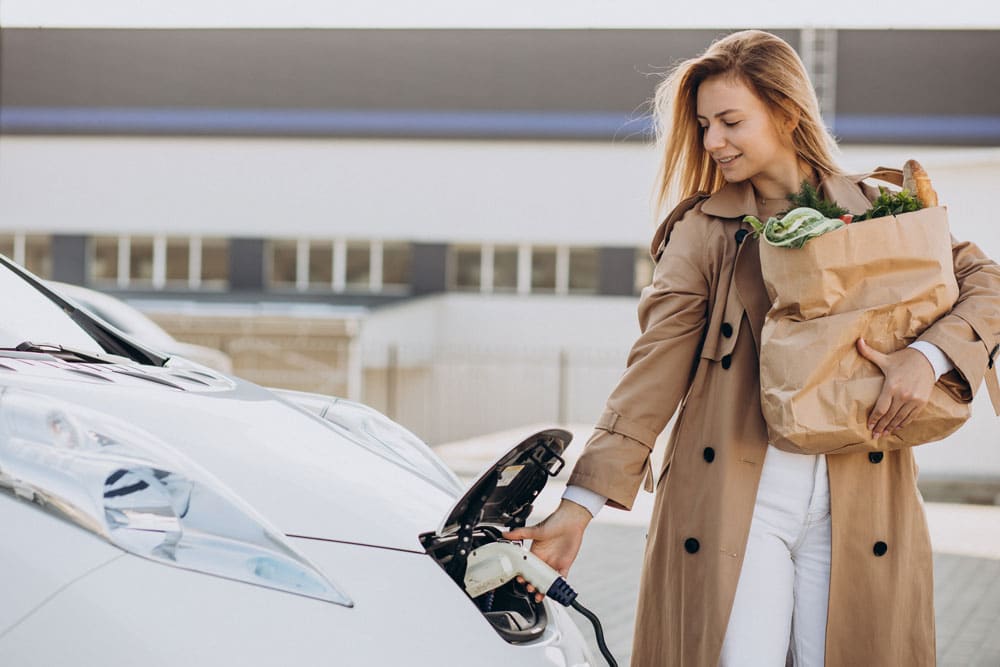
969 333
672 315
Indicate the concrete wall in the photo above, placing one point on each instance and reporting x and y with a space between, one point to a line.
433 191
480 364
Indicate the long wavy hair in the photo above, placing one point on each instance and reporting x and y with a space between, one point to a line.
773 71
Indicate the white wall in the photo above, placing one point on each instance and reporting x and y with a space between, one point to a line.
473 364
453 191
582 193
491 320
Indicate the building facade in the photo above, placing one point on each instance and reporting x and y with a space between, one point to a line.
479 193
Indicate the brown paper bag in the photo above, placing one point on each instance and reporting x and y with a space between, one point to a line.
885 279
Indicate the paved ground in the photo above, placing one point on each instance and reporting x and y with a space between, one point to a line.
966 593
966 541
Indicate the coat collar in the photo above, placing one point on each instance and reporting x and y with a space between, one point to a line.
735 200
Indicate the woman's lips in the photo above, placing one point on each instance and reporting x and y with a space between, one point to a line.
729 162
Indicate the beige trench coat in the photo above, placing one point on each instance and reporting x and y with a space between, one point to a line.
701 321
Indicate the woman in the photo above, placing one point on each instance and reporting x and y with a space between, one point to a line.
754 552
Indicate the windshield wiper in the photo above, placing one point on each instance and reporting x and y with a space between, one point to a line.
110 339
63 352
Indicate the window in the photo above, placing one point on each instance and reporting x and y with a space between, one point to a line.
583 270
7 245
141 260
321 264
504 268
178 261
32 251
214 270
358 264
466 267
543 269
395 263
103 259
173 262
38 254
338 264
284 254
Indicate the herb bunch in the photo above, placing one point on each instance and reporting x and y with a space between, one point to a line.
808 197
887 203
891 203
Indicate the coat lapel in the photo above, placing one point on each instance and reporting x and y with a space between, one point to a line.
846 191
735 201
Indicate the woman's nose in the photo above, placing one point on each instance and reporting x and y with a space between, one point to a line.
713 139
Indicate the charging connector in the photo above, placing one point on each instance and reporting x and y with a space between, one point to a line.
492 565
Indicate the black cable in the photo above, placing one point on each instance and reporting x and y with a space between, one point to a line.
598 630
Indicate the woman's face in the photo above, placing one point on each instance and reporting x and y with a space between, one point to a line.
738 131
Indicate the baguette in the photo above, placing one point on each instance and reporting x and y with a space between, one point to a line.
916 180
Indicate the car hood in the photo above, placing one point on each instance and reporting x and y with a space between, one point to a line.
303 474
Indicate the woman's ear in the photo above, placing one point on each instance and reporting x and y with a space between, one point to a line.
790 119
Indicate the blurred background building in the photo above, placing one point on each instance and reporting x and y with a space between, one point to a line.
441 217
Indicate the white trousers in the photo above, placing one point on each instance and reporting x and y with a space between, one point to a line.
784 584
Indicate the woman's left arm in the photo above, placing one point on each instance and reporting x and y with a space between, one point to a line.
968 335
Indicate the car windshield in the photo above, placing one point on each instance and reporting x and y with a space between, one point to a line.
30 315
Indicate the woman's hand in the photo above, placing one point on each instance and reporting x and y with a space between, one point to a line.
556 540
909 379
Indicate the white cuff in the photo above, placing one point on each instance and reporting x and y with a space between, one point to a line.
939 360
592 501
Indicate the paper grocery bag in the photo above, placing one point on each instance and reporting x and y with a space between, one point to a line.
885 279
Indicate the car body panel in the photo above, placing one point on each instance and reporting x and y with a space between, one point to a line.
406 612
285 462
42 554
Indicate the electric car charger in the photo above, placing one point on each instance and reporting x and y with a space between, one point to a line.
492 565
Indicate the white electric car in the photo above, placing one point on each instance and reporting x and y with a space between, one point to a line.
157 512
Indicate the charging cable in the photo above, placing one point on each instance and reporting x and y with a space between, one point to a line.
492 565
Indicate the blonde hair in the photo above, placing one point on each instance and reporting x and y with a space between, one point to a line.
773 71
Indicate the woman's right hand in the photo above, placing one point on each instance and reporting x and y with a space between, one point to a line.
557 539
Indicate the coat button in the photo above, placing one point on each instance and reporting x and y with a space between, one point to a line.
740 235
709 454
880 548
727 361
875 457
727 329
691 545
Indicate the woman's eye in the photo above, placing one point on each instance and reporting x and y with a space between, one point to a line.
735 123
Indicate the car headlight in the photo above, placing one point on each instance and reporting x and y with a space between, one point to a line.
143 496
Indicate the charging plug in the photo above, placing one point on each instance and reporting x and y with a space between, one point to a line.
492 565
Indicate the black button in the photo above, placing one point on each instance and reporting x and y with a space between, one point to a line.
727 329
880 548
727 361
709 454
875 457
691 545
740 235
